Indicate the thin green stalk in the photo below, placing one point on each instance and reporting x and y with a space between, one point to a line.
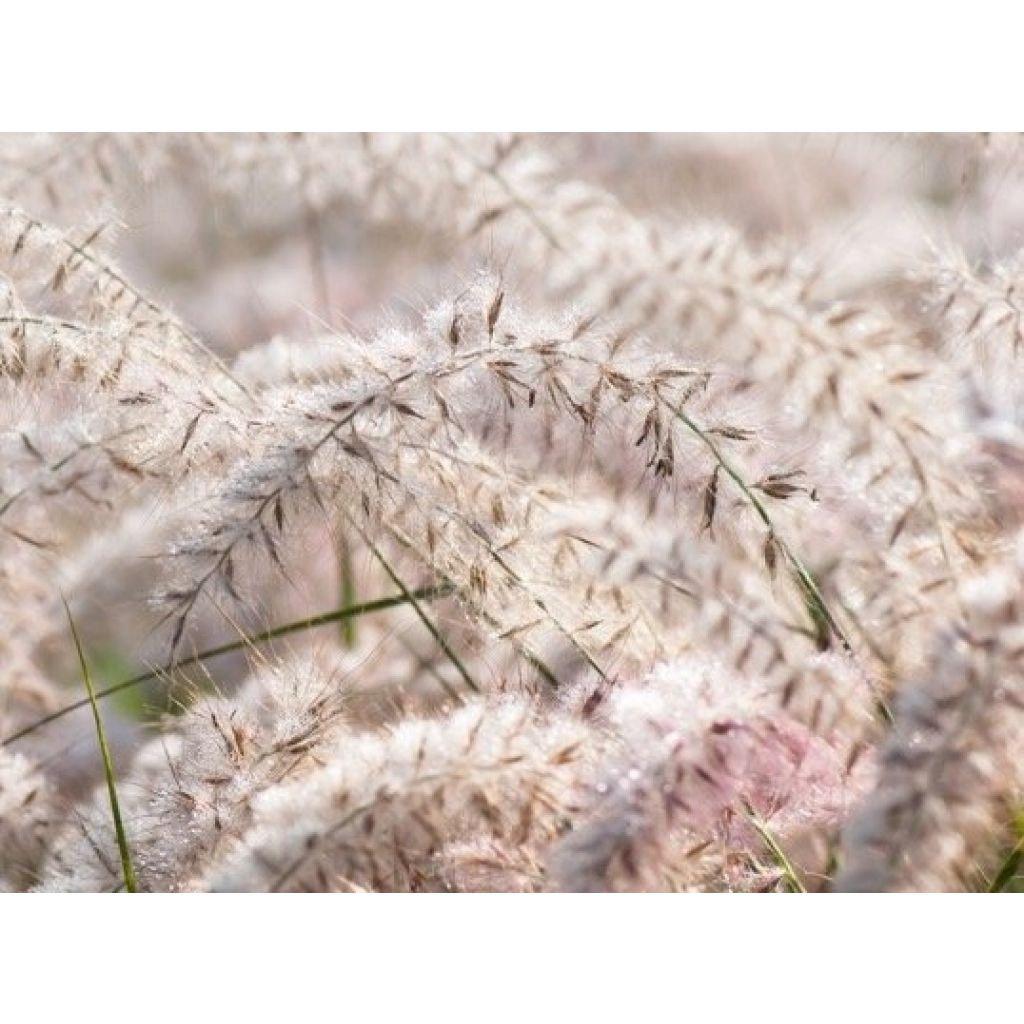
108 764
338 615
438 636
813 597
777 852
349 635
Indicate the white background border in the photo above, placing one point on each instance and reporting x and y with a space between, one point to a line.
525 66
528 65
515 959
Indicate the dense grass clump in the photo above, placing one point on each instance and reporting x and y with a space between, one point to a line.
509 513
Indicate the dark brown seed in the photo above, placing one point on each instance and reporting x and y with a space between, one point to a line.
771 553
710 500
494 312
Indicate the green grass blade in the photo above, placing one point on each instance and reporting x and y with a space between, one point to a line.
1011 863
818 610
349 636
777 852
410 595
250 640
108 764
